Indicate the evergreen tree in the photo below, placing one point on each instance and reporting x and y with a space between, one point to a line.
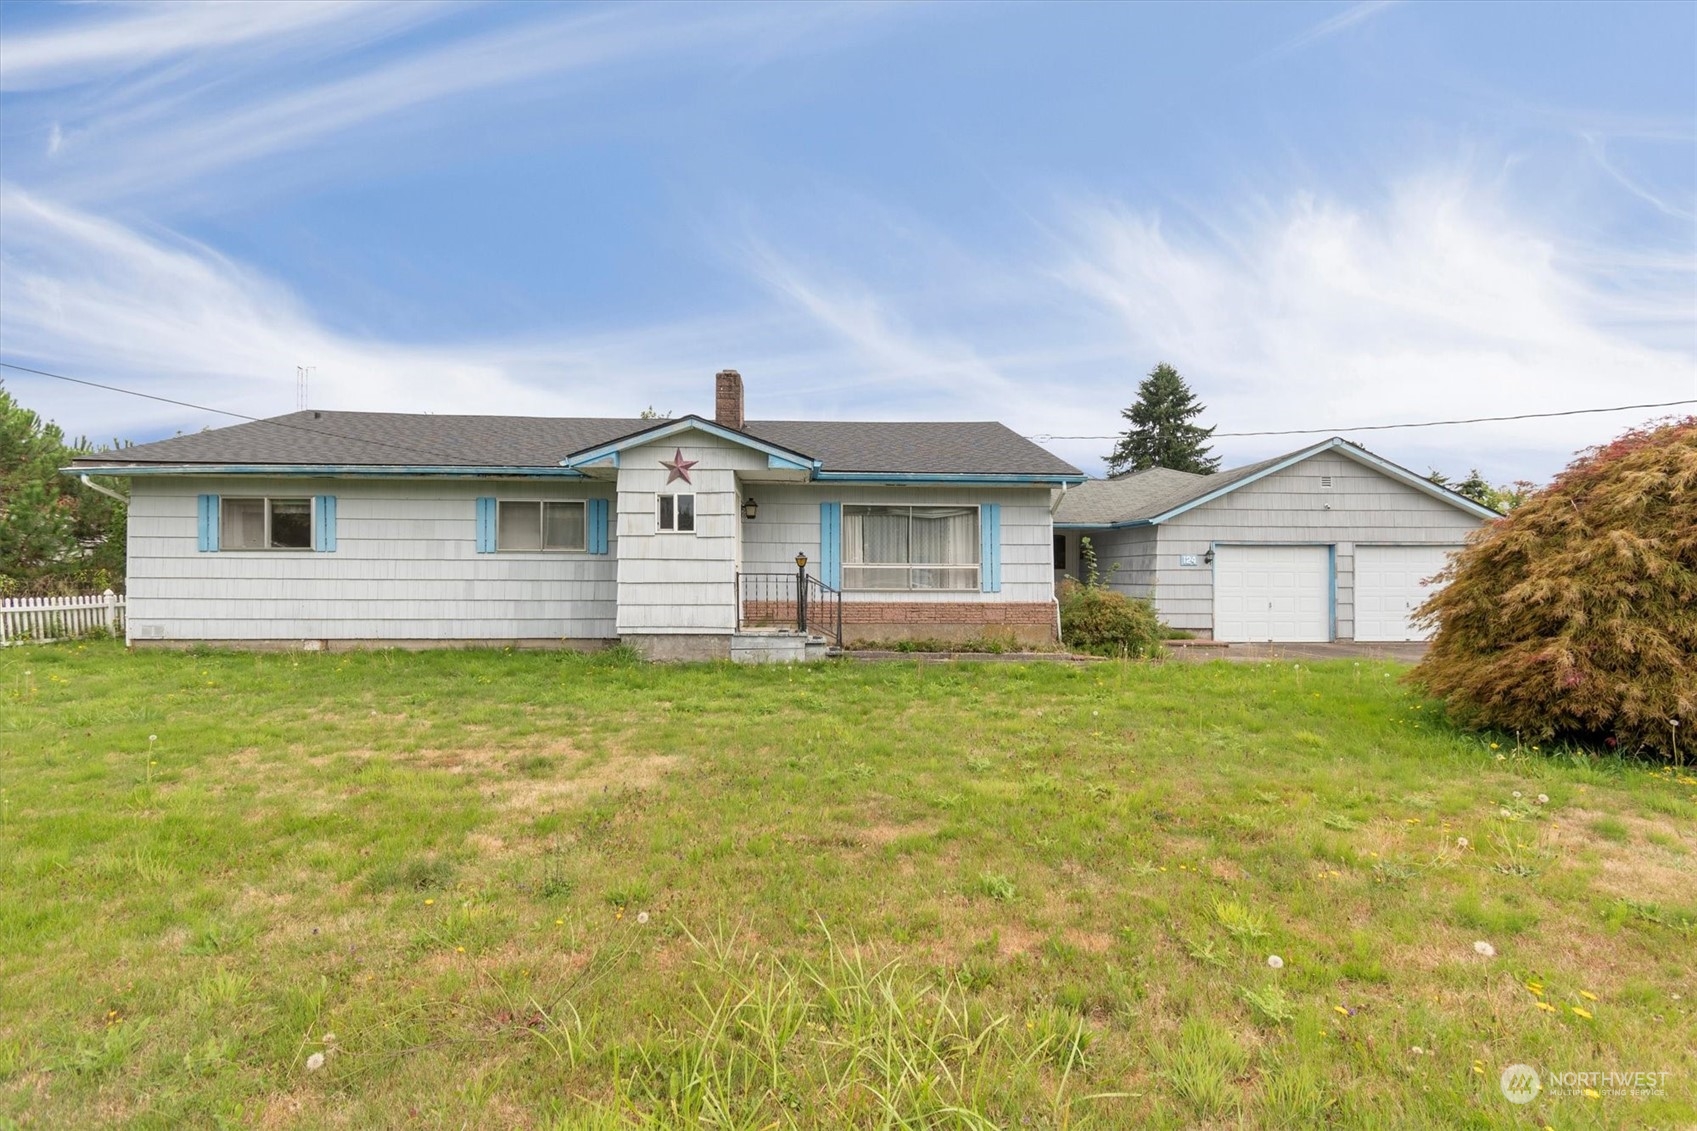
1161 433
1476 487
55 534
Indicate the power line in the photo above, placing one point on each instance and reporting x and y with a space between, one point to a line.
1420 424
1042 436
237 415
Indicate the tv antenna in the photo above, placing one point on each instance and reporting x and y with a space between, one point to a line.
303 377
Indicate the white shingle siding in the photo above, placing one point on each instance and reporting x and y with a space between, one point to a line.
1125 559
1289 507
673 582
789 521
405 568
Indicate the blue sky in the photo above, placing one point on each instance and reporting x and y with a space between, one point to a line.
1322 214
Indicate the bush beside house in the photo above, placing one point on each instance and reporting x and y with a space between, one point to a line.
1574 615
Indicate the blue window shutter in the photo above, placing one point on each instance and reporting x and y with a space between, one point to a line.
485 524
990 547
324 520
208 529
596 533
831 544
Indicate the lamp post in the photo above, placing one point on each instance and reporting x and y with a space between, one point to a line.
801 591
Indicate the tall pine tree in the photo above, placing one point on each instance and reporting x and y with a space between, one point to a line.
1161 433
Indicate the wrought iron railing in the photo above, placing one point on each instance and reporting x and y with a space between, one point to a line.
795 600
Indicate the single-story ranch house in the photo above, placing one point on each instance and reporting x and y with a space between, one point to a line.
339 529
700 538
1327 543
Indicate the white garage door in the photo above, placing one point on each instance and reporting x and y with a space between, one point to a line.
1280 593
1388 588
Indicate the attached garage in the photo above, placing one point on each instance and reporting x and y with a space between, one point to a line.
1328 543
1273 593
1390 583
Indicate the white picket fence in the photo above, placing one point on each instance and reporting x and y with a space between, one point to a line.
42 620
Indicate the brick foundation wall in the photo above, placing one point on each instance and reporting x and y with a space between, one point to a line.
1032 622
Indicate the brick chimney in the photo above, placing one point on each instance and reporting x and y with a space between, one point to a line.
727 399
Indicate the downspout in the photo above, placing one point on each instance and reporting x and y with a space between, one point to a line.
107 491
1054 505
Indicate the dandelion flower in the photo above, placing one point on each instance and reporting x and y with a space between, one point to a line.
1418 1051
1543 799
1593 1094
315 1062
1536 987
559 922
329 1038
1587 995
459 950
428 902
642 916
1585 1013
1547 1007
1485 948
1275 962
1502 757
1461 842
1516 795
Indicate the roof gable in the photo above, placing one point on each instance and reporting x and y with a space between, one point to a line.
1154 506
666 429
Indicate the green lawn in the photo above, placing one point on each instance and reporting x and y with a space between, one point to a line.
546 890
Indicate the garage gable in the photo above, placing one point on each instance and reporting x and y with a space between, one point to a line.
1330 502
1214 488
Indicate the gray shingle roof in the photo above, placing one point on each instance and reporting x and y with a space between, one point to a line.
415 439
1145 495
1127 498
963 447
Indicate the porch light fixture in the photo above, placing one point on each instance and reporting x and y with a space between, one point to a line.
800 560
750 509
1208 558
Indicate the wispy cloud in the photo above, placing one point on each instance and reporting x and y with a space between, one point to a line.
1599 152
101 41
148 133
1443 302
92 298
1311 313
1351 16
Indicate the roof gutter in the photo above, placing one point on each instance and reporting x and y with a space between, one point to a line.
107 491
340 471
1127 524
961 478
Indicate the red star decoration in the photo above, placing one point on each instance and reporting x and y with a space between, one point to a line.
679 466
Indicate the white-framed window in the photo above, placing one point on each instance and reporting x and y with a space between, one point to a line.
264 523
529 525
675 513
910 547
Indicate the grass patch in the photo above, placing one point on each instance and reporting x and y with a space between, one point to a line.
548 890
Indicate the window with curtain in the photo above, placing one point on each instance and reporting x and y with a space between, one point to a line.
910 547
539 526
265 524
675 513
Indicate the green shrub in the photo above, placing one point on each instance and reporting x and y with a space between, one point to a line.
1099 620
1573 616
